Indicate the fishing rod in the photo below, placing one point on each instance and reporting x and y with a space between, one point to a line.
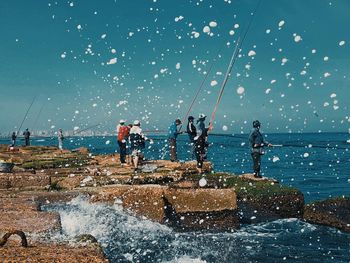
232 62
310 146
25 116
87 128
37 117
200 88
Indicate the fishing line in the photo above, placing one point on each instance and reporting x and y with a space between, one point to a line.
25 116
232 62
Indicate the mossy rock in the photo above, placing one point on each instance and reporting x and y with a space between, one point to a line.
55 163
259 200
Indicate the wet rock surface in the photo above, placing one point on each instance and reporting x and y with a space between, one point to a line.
43 252
162 191
333 212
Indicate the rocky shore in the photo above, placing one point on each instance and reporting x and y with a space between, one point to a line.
165 192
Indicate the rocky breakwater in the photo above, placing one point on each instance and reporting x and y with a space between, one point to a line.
334 212
25 231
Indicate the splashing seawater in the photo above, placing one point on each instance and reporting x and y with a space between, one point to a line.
126 238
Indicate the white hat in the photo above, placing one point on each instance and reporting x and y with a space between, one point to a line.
202 116
122 121
136 122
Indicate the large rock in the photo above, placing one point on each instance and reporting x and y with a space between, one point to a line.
109 194
18 204
270 207
30 221
39 252
24 180
195 209
147 201
333 212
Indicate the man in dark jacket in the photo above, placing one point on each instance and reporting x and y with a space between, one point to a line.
26 135
192 133
191 129
257 143
13 138
201 145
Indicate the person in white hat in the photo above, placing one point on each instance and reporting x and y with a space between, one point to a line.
123 134
200 123
137 143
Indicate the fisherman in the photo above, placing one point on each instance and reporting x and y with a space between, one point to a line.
173 132
191 129
200 123
257 143
13 138
60 139
26 135
201 145
137 143
123 134
192 133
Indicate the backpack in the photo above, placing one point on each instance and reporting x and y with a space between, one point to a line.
137 141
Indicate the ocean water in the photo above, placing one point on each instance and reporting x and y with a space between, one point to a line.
319 172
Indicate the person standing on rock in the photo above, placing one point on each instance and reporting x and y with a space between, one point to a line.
26 135
257 143
13 138
173 132
191 129
123 134
200 123
137 143
192 133
200 146
60 138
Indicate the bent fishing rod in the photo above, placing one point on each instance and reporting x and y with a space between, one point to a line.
25 117
232 62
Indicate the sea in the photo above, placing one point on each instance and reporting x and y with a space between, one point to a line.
316 163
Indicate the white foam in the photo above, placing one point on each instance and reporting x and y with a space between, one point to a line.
213 24
213 83
112 61
206 29
186 259
251 53
195 34
275 159
342 43
281 23
297 38
240 90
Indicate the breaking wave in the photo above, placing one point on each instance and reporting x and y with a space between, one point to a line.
126 238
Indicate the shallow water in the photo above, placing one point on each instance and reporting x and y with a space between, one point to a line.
318 172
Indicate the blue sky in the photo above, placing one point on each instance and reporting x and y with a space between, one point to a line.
58 51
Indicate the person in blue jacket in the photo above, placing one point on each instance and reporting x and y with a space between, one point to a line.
257 143
173 132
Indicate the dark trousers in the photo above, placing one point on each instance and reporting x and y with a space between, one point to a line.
172 149
200 159
256 163
26 141
122 149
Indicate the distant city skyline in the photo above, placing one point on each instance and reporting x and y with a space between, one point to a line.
91 62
